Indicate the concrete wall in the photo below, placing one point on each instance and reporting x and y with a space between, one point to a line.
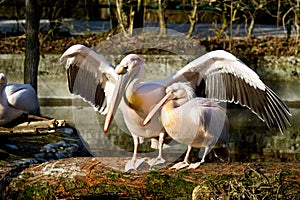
52 80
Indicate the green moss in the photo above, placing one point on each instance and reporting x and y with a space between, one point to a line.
113 176
165 186
253 185
28 175
36 191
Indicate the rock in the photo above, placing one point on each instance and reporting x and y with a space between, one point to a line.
89 177
67 131
57 150
31 125
25 162
3 154
12 147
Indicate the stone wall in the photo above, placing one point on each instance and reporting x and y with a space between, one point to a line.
279 68
284 68
52 75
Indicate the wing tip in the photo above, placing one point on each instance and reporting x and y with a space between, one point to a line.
76 48
223 54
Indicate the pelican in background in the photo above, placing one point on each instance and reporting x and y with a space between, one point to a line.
16 100
217 75
196 122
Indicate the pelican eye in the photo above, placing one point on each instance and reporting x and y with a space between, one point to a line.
126 67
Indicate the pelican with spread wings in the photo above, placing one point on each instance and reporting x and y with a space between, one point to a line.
216 75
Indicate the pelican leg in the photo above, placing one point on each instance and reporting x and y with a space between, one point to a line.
159 159
197 164
185 162
134 163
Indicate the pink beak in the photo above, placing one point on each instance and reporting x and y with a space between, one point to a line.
156 108
115 101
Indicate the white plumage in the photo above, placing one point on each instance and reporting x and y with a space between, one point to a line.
196 122
16 100
216 75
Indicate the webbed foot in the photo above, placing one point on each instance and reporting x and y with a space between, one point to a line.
133 164
156 161
180 165
195 165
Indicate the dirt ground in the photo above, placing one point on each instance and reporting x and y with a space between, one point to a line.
241 47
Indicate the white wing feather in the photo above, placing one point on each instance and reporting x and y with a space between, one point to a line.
90 75
224 77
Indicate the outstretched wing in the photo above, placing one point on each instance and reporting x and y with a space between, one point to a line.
90 76
220 75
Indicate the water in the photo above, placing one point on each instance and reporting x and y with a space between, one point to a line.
80 27
250 139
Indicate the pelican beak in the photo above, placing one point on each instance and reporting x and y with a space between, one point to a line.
156 108
114 103
117 95
121 69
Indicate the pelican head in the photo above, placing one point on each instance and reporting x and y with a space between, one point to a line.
129 68
129 64
179 93
3 79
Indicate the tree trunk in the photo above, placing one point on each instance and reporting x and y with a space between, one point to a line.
251 27
130 16
112 16
131 20
193 18
297 26
161 16
32 53
278 18
121 16
224 25
92 178
138 21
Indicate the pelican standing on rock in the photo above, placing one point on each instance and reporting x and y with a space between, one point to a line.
16 100
217 75
196 122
